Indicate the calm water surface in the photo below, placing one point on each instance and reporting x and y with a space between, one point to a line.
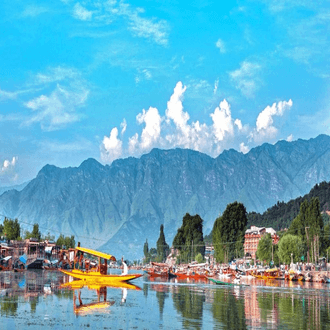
36 300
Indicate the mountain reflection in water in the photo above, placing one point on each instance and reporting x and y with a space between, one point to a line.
38 299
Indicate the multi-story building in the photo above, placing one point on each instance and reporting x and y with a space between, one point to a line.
252 237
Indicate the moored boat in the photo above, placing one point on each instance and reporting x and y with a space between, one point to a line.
98 275
271 274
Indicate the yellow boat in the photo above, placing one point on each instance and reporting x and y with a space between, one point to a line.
99 275
271 274
91 285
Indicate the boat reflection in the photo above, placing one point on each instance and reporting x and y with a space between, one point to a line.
95 306
101 304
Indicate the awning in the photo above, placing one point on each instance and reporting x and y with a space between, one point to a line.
23 258
96 253
48 249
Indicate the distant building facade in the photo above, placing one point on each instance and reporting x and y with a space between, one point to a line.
253 236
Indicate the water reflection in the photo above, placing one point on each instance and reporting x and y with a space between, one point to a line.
100 304
188 301
32 295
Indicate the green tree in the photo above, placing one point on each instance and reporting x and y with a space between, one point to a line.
290 244
11 229
68 242
189 238
49 237
162 246
199 258
35 233
309 226
228 233
264 251
1 230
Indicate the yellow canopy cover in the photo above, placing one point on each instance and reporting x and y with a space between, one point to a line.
96 253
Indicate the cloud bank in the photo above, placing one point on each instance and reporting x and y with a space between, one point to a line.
174 129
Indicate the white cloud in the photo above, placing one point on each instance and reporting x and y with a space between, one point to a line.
246 78
56 74
108 11
238 123
58 109
216 84
123 126
111 147
290 138
149 29
174 109
243 148
175 130
264 125
81 13
8 165
5 95
151 132
221 45
222 121
133 144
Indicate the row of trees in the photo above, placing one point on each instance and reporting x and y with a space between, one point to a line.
11 230
306 238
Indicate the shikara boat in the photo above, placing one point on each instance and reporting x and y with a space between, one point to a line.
271 274
98 275
291 275
225 283
192 275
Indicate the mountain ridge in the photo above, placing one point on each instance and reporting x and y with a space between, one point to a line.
116 207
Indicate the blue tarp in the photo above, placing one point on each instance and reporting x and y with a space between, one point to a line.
23 258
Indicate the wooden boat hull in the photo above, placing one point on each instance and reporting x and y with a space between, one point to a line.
100 278
182 276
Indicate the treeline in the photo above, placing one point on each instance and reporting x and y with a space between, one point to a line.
281 214
11 230
306 238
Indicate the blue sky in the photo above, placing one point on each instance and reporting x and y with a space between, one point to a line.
111 79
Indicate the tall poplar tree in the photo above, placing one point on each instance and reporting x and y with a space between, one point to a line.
162 246
146 251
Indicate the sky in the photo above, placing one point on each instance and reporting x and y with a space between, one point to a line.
112 79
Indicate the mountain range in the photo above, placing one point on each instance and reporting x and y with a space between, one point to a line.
116 207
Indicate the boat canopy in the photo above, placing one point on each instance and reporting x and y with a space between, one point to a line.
96 253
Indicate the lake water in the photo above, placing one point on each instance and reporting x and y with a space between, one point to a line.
35 300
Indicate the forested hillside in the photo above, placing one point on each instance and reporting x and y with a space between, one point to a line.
281 214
